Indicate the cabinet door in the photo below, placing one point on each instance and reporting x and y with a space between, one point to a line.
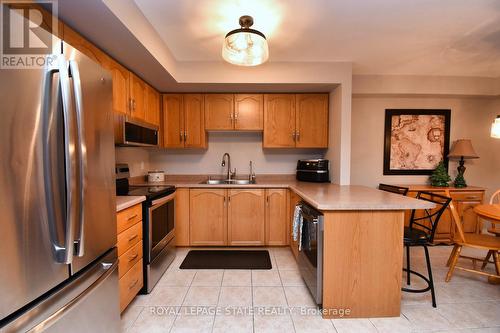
194 130
312 120
246 224
207 217
249 112
219 111
182 217
120 74
173 121
276 217
470 220
444 230
294 245
279 121
121 86
138 96
152 106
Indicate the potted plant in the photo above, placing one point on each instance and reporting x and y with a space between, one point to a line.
440 177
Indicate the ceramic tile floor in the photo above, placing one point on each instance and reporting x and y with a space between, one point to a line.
185 301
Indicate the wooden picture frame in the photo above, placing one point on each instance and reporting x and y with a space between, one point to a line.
411 116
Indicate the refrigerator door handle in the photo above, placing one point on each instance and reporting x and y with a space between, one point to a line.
63 253
82 153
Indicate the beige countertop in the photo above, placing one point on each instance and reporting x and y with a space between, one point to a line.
322 196
124 202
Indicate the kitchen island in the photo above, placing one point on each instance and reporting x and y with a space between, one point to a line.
363 241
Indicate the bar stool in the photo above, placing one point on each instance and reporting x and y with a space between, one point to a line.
421 232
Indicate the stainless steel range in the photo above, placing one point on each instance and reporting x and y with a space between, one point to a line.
158 225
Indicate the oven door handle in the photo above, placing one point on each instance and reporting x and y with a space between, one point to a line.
163 200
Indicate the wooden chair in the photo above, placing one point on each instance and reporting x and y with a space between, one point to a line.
495 199
478 241
393 189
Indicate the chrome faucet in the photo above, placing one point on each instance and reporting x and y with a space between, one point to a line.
230 174
251 175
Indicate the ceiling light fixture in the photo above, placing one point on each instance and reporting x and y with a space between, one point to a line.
245 46
495 128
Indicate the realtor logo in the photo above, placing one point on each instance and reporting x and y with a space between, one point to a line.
28 33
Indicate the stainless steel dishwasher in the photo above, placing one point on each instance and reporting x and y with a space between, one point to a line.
310 257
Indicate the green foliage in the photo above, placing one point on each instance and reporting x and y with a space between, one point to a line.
440 177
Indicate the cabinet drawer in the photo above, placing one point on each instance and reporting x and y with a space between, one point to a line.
467 196
130 284
129 238
129 258
128 217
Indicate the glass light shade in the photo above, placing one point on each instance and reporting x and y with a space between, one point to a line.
245 48
495 128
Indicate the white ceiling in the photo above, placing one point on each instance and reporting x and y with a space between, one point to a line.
414 37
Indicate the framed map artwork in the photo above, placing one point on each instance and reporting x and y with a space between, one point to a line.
415 141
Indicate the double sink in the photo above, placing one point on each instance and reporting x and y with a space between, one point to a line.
228 182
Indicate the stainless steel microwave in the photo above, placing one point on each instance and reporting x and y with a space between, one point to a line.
132 132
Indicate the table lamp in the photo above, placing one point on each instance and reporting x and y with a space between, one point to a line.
462 149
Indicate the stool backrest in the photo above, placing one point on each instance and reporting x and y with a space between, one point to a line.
429 220
393 189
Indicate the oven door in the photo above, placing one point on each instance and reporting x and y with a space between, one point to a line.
161 225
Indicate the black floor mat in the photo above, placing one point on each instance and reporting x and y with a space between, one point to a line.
227 259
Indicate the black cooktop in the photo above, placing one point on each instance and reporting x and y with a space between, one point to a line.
151 192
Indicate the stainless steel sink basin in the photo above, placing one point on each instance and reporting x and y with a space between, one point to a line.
227 182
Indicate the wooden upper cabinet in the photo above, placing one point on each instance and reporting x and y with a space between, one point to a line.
173 121
138 97
249 112
152 112
246 224
194 124
208 217
276 217
119 73
311 120
121 86
219 111
279 121
77 41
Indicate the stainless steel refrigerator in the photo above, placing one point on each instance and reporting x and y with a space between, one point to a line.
58 261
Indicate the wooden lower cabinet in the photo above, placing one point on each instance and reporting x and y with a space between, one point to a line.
465 199
277 217
294 245
182 217
130 284
129 244
208 217
246 225
232 217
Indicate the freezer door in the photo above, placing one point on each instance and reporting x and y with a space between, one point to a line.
95 232
88 303
33 195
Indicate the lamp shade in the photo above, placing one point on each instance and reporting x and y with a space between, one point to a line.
462 148
495 128
245 46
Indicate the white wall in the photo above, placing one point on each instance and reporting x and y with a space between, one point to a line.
137 159
471 118
242 146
